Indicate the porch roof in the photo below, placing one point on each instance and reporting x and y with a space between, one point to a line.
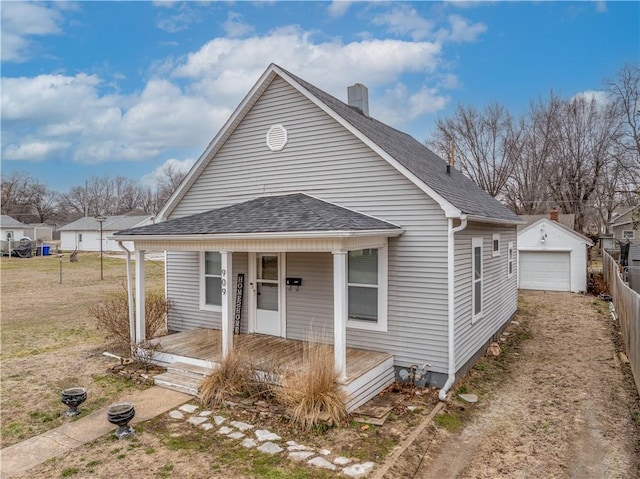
295 214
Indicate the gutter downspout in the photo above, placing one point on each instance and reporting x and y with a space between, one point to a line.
442 395
132 324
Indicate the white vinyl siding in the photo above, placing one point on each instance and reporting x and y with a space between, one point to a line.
324 160
500 292
183 272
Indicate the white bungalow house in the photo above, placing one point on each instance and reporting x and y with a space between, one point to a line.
306 214
84 233
552 257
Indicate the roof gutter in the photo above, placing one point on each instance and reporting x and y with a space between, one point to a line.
494 221
442 395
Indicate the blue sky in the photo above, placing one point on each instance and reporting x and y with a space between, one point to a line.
123 88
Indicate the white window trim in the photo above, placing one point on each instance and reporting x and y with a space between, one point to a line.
383 277
633 234
203 288
494 237
475 243
510 259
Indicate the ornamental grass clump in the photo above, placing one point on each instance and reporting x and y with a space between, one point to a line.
312 393
231 378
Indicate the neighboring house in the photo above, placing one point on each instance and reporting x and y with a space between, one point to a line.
625 226
340 224
11 229
552 257
39 232
84 233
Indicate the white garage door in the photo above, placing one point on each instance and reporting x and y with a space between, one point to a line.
545 270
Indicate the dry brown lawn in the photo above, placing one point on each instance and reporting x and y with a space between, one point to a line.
49 341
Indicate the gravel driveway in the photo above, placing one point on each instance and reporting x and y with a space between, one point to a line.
565 410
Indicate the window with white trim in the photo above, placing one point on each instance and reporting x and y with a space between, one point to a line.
477 278
629 234
211 279
367 288
510 259
495 244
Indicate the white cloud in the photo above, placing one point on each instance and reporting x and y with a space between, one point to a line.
338 8
34 151
20 22
400 106
177 22
234 27
601 98
151 179
405 20
601 6
186 101
462 31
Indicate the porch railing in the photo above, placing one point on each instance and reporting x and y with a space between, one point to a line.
627 304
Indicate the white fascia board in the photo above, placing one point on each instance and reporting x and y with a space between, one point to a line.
388 233
450 210
230 125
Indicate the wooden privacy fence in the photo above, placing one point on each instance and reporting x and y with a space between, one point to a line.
627 304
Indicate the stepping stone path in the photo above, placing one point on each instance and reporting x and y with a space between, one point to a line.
269 442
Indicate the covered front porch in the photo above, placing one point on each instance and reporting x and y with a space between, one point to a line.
367 371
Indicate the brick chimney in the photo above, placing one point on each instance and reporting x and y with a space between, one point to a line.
553 214
358 96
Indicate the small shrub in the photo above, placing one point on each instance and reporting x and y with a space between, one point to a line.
112 316
71 471
312 392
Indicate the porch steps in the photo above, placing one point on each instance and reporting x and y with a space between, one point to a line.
182 377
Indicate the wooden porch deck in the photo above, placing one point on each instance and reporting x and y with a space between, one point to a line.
204 347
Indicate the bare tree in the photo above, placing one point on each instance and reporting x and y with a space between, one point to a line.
527 190
485 143
26 199
584 135
625 91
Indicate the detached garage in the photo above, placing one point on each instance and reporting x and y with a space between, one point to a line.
552 257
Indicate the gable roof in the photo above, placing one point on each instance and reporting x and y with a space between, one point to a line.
624 218
456 194
297 212
566 219
112 223
7 221
560 226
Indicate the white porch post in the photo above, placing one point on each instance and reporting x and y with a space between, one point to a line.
140 289
227 301
340 313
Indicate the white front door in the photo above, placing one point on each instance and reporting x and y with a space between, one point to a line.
268 294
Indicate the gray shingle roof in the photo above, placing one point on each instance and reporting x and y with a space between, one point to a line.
112 223
9 222
456 188
270 214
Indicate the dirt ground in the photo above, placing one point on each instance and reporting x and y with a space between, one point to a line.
557 402
560 404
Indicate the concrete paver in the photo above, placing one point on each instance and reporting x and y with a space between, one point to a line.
26 454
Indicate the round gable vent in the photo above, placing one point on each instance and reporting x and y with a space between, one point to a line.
276 138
